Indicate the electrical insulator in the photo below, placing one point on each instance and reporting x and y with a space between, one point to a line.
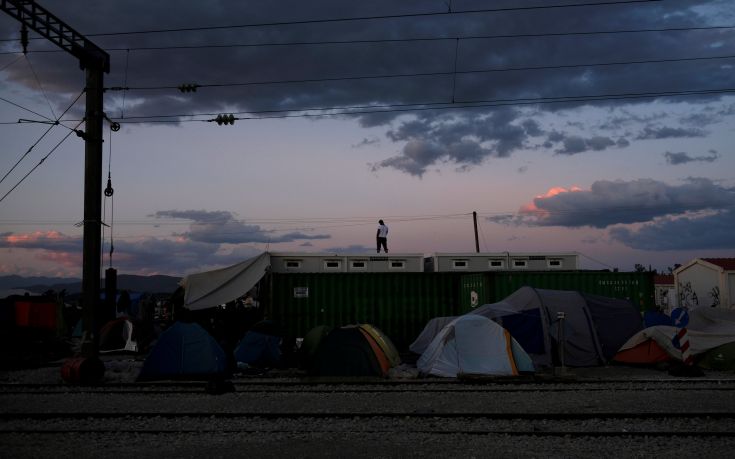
24 39
109 191
225 119
188 88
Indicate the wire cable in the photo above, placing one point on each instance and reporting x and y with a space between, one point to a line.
394 40
460 105
376 17
425 74
26 109
41 162
40 86
56 123
11 62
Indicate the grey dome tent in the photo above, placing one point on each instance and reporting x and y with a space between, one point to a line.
472 344
594 327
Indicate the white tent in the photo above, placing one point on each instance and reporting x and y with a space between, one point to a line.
707 329
212 288
473 344
428 334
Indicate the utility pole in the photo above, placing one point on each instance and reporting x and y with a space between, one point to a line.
95 63
477 240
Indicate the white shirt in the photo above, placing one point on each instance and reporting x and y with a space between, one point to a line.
382 231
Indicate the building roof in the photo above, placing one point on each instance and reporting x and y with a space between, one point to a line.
728 264
662 279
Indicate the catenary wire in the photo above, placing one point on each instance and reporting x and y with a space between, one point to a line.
418 107
425 74
40 86
392 40
375 17
40 162
56 123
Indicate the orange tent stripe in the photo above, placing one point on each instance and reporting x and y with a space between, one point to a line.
509 350
379 354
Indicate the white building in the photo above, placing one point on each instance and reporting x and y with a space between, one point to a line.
298 262
502 261
664 290
706 282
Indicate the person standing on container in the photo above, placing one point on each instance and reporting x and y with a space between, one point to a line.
382 236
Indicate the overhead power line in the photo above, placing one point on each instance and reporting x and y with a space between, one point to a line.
376 17
419 74
393 40
417 107
53 124
40 162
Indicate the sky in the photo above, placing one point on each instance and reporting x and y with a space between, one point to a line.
600 129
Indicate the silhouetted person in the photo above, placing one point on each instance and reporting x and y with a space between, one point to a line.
382 236
123 304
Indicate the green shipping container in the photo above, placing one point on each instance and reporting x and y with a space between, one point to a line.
400 304
474 291
633 286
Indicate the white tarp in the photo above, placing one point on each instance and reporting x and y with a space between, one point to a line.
473 344
212 288
707 329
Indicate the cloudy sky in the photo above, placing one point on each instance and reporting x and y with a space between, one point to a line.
602 129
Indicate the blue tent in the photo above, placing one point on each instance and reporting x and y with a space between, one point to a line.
259 349
184 350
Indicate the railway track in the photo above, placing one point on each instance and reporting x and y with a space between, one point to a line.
700 425
371 418
373 387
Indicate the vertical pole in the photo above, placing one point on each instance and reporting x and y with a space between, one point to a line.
561 342
92 245
477 240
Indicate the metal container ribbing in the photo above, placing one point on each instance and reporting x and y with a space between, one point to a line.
400 304
633 286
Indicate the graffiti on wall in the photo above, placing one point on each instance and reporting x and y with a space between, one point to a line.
687 296
715 294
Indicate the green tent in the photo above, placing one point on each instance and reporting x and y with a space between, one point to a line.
719 358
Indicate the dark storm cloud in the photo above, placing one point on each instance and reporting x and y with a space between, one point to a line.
619 202
198 249
708 232
669 133
573 145
464 139
366 142
145 256
44 240
459 137
684 158
221 227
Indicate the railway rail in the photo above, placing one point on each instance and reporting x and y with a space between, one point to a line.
288 417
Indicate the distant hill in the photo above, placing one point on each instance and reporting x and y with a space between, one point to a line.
150 284
20 282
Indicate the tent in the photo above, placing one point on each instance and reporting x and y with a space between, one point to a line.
473 344
184 350
220 286
428 333
353 351
646 352
310 344
261 346
708 328
720 358
594 327
124 334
